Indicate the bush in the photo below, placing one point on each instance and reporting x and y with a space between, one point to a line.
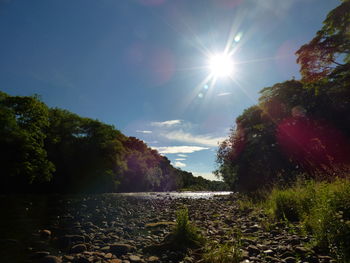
323 208
329 220
292 204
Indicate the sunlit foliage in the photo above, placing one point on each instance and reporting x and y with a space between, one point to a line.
54 150
329 48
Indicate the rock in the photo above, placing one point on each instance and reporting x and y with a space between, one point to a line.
39 254
120 249
108 255
153 259
301 250
253 250
115 260
67 240
105 248
269 252
134 258
78 248
312 259
68 258
290 260
50 259
45 234
81 259
247 241
271 259
287 254
325 258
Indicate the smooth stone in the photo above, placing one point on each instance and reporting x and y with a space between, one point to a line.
51 259
78 248
153 259
290 260
134 258
253 250
301 250
45 234
39 254
121 249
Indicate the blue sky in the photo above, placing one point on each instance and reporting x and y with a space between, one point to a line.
141 64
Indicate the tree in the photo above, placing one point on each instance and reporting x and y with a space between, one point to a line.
330 47
23 158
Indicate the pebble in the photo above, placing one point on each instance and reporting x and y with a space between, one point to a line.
106 229
78 248
50 259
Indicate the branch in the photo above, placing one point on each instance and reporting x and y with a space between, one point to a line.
339 64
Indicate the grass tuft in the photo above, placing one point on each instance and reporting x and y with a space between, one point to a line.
185 234
324 210
223 253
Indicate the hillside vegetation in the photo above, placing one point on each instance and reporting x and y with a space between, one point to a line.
48 150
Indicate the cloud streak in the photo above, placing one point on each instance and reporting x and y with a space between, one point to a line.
179 149
145 132
205 140
166 124
179 164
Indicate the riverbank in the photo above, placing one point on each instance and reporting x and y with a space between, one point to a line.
119 229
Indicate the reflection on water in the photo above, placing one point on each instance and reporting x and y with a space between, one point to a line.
191 195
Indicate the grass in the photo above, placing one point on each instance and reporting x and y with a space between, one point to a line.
226 253
185 234
322 208
229 252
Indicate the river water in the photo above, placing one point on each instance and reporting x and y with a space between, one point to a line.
174 195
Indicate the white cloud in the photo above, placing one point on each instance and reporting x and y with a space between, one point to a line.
180 159
145 132
224 94
169 123
179 149
208 176
181 136
182 155
179 164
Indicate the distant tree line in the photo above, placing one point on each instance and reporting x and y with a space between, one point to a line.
298 128
48 150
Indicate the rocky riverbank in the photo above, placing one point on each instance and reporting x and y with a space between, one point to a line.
114 229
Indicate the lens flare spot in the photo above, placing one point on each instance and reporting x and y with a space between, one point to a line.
238 37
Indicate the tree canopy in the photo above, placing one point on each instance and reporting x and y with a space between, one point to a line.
46 149
330 47
298 128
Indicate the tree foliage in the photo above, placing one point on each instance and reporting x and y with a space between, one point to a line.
298 127
23 158
54 150
329 48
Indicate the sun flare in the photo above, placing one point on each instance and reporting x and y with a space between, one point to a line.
221 65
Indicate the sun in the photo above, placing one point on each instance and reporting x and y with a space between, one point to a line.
221 65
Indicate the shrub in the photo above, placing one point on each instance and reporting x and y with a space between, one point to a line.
292 204
323 208
185 234
329 220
